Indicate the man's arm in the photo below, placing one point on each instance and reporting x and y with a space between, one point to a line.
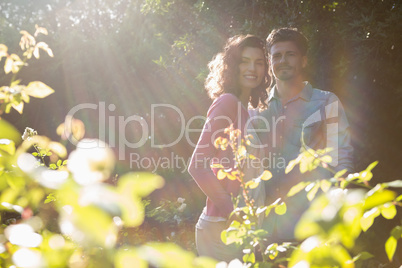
338 135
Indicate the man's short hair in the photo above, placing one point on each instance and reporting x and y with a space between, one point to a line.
288 34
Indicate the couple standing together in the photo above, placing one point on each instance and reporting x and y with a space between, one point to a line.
238 84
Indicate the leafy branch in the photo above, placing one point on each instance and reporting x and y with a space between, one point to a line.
15 95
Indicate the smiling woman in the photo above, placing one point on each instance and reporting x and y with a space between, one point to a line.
238 77
251 70
225 68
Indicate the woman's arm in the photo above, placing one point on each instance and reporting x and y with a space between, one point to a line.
221 114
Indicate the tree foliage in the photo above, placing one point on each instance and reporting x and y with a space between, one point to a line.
133 54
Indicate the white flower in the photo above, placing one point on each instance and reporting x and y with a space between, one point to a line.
23 235
27 162
235 263
182 207
25 257
101 196
57 242
180 200
28 133
177 219
91 162
53 179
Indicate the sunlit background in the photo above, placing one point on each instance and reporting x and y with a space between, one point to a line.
126 56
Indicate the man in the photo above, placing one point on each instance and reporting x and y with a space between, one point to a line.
294 106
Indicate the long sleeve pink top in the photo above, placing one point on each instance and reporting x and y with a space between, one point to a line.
224 111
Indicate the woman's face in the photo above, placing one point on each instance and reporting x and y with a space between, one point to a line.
251 68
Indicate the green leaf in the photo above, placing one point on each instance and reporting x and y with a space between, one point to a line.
216 165
304 164
127 258
339 174
266 175
297 188
161 62
368 218
395 184
25 97
140 183
388 211
306 228
8 131
390 247
325 185
249 258
252 184
267 211
15 182
371 166
18 106
35 196
272 251
15 82
9 195
291 165
341 255
52 166
233 236
8 65
326 159
8 107
7 146
263 265
3 51
50 198
204 261
38 89
221 174
397 232
223 236
379 197
281 209
260 233
97 225
167 255
311 194
366 175
131 187
363 256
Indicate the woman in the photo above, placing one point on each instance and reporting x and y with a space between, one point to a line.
238 77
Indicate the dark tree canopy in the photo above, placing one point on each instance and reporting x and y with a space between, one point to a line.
133 54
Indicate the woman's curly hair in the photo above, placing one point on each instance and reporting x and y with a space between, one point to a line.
224 70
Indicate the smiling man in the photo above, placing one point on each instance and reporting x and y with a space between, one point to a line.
294 106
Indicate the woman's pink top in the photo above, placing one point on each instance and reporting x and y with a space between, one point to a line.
224 111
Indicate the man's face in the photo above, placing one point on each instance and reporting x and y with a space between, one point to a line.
286 61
